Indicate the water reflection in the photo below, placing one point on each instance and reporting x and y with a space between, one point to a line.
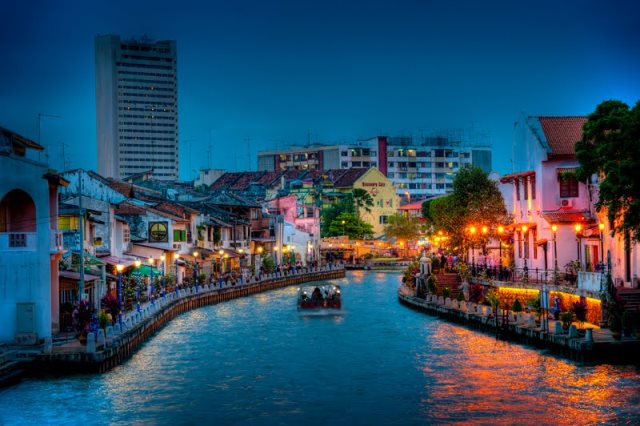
258 360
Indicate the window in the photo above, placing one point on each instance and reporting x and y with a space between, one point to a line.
517 188
309 212
345 164
525 192
356 164
390 175
533 187
126 237
344 153
66 223
383 219
569 187
179 235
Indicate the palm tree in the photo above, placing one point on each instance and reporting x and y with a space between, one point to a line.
362 200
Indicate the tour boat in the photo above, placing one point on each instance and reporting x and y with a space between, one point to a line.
319 297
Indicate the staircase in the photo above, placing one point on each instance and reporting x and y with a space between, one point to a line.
10 369
631 297
446 279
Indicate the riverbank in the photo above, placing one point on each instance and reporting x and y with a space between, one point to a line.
115 344
595 345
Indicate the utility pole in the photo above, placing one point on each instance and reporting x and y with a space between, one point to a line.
81 224
40 115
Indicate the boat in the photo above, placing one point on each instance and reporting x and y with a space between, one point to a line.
319 297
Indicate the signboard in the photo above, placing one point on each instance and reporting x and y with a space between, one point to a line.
158 232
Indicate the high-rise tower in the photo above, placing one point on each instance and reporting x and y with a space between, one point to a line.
136 107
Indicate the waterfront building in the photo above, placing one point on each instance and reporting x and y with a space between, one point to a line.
550 207
419 167
136 107
30 243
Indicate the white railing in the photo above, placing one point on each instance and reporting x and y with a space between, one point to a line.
18 241
57 241
591 281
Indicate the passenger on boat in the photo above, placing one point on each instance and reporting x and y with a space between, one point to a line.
316 297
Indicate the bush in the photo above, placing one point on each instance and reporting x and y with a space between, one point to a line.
566 318
446 292
517 306
460 297
431 284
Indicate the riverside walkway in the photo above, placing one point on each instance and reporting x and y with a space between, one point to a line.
112 346
596 345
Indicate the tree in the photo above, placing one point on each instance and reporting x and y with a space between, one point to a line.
349 224
402 227
609 148
475 200
362 200
331 212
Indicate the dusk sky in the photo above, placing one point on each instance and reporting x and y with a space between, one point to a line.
263 74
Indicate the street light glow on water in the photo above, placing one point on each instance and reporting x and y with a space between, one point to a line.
257 360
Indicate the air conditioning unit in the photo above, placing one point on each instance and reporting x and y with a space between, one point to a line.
176 246
566 203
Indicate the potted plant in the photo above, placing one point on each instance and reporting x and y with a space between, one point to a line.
82 311
516 308
446 292
431 284
494 300
566 318
103 319
580 310
110 305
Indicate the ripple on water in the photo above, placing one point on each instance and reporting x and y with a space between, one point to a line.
257 360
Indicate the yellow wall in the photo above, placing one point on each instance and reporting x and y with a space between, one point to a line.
385 199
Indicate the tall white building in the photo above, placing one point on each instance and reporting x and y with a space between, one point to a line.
136 107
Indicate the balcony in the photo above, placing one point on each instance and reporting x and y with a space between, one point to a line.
18 241
57 241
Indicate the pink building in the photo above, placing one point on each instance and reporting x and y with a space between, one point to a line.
550 207
305 221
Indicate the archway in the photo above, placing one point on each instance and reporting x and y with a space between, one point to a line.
17 212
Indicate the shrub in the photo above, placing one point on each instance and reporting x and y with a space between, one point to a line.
446 292
517 306
579 308
103 320
494 299
431 284
566 318
460 297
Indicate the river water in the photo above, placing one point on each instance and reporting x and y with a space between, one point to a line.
257 360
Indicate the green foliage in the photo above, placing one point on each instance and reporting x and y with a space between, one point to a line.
402 227
103 320
475 199
493 298
517 306
432 283
460 297
362 200
462 269
353 227
535 304
409 276
330 212
269 263
217 235
446 292
566 318
202 278
609 148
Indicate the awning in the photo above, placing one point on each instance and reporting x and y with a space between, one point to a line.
541 242
567 217
144 271
113 261
75 276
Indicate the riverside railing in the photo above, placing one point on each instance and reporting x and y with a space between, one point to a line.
592 281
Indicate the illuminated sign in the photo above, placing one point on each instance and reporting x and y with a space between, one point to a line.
158 232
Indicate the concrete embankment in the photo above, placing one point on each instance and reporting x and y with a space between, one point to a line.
116 346
591 345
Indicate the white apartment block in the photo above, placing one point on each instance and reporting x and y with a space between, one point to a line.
136 107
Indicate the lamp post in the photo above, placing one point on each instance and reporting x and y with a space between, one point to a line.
343 227
500 231
484 230
221 253
578 228
151 285
554 229
195 269
275 255
525 236
119 268
137 264
176 257
601 228
163 258
472 231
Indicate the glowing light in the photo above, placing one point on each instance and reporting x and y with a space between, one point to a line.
578 227
137 263
554 228
119 267
601 226
151 260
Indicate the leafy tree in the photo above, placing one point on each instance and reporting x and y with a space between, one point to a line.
349 224
475 200
332 211
362 200
402 227
609 148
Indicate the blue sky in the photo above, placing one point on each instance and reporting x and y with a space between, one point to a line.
262 74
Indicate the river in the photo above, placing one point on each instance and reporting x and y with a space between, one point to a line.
258 360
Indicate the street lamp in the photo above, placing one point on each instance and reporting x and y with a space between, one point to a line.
195 269
275 255
176 257
601 227
151 286
485 230
525 237
472 231
137 264
163 258
343 228
578 228
500 231
554 229
119 268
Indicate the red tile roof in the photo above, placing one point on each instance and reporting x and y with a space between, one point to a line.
562 133
345 178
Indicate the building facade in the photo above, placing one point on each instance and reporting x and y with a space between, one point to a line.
419 167
136 107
